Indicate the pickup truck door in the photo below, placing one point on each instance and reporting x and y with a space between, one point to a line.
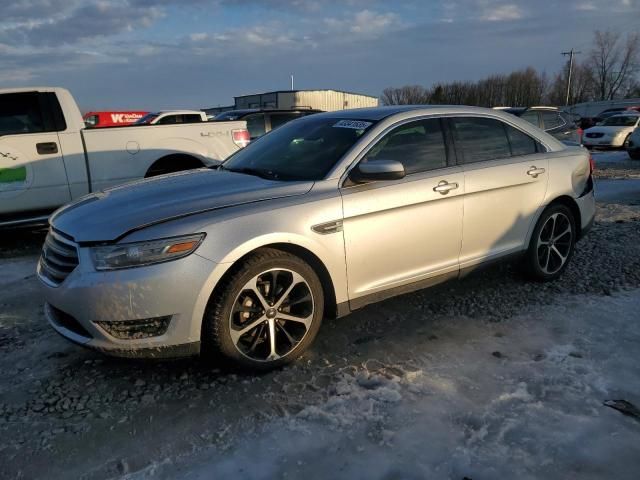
32 171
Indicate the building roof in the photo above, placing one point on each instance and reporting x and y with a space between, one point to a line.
305 90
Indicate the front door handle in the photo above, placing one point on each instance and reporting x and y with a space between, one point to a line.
444 187
47 148
535 171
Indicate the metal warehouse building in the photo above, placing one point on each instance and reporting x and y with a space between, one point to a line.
327 100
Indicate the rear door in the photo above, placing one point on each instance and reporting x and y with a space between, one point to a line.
505 177
32 170
404 231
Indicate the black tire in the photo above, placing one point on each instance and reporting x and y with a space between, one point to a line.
226 308
625 144
540 255
634 154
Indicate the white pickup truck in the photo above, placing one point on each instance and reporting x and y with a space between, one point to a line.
48 158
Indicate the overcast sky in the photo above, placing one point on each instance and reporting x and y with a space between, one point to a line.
154 54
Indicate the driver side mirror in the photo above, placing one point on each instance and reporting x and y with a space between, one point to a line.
376 170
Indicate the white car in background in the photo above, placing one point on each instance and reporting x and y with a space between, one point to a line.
614 132
171 117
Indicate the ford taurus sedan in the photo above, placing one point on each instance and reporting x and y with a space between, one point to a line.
318 218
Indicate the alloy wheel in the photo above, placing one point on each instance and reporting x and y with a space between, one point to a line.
554 243
271 315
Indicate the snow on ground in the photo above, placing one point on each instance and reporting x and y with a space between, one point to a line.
520 399
489 377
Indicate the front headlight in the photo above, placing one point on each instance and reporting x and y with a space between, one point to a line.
126 255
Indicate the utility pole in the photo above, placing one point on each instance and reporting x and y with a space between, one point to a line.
571 53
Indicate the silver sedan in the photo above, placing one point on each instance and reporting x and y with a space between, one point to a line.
318 218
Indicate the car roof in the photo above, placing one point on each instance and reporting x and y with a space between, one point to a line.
380 113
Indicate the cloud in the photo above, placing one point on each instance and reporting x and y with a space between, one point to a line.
503 13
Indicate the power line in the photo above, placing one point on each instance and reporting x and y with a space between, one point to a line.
571 53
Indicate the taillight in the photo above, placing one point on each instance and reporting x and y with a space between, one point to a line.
241 137
592 164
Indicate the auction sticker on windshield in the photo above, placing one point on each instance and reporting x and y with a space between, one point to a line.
354 124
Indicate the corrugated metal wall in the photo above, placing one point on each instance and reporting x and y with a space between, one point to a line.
328 100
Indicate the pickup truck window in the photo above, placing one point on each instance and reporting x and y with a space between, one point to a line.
21 113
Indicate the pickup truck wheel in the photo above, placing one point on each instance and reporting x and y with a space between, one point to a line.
172 164
551 245
267 312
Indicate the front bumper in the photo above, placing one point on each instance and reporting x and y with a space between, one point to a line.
603 142
83 305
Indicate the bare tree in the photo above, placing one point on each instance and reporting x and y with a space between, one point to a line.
613 63
407 95
582 86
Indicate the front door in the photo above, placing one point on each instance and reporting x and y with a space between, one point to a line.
404 231
32 171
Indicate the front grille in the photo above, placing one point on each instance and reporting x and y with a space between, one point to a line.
594 135
59 258
65 320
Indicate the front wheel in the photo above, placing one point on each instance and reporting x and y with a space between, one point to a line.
552 244
267 313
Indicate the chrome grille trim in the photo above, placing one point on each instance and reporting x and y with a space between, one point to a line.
59 258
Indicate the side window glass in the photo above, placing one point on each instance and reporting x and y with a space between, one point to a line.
21 113
255 125
192 118
170 119
531 116
419 146
521 143
551 120
480 139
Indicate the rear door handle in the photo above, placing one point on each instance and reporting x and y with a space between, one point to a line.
535 171
444 187
47 148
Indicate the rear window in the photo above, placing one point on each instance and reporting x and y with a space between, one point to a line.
148 118
551 120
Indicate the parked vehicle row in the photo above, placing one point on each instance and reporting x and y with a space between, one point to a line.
172 117
614 132
322 216
112 119
48 158
550 119
261 121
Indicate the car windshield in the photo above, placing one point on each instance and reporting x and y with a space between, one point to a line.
621 121
146 119
305 149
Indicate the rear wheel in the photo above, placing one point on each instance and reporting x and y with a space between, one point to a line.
267 313
552 244
634 154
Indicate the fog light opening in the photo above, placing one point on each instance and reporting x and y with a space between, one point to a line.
136 329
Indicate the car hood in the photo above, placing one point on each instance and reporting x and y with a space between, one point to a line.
606 129
107 216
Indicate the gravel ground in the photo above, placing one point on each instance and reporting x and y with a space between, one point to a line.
66 412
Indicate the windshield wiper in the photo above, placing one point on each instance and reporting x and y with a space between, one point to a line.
256 172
